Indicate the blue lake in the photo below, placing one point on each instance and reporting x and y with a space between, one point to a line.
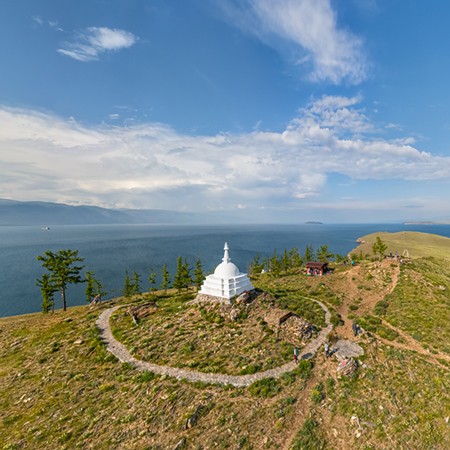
110 250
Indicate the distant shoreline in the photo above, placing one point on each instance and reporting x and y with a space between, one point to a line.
426 222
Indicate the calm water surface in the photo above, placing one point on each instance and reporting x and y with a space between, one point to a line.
110 250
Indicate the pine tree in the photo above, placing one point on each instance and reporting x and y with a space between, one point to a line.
296 259
62 269
152 281
136 285
186 275
93 288
178 279
379 247
128 290
285 262
182 277
309 253
165 278
256 266
47 291
323 254
199 275
90 286
275 264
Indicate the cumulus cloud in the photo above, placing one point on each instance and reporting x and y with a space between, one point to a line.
309 31
90 43
153 166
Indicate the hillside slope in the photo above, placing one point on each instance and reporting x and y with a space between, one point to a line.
62 389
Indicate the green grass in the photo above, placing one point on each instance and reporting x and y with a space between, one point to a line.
417 244
58 394
203 338
420 303
61 389
400 401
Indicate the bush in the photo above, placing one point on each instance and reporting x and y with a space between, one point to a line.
268 387
317 394
381 308
304 368
145 377
307 438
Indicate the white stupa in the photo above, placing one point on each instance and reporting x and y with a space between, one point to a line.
226 281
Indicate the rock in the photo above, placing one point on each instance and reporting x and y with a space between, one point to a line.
347 367
243 298
234 313
354 420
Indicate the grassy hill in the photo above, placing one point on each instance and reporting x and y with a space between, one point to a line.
417 244
61 389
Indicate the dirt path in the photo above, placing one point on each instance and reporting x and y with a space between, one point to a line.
121 352
357 276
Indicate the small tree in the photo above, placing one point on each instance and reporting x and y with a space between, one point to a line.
285 262
62 269
152 281
323 254
256 266
309 253
379 247
136 283
182 277
93 288
199 275
165 278
47 291
128 290
296 259
275 264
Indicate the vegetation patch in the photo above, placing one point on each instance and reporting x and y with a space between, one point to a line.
203 337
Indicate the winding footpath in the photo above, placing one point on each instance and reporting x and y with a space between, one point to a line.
121 352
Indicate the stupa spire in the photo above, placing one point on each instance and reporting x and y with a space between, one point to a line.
226 256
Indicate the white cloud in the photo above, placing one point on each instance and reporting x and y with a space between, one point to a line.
152 166
89 44
310 30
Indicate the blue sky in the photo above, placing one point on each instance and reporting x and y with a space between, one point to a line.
268 110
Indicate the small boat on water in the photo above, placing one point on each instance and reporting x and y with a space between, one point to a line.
46 228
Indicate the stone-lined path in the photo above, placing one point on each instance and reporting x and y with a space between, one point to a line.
121 352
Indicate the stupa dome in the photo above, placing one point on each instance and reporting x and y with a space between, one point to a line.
226 270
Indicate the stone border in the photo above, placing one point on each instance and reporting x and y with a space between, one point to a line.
121 352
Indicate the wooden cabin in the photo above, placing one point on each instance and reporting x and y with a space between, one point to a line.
316 268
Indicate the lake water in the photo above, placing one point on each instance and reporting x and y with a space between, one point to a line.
110 250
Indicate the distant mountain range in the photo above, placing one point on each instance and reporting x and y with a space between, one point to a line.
46 213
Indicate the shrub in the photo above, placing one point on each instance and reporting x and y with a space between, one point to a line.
145 377
317 394
308 438
304 368
268 387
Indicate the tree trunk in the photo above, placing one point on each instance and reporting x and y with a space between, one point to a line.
63 296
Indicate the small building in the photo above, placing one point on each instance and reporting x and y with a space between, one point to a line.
226 282
316 268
